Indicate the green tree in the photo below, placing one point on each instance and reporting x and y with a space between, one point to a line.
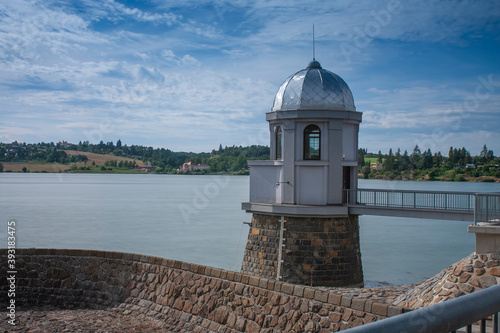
388 164
438 159
415 157
425 161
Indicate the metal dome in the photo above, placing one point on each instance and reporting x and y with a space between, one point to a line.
314 88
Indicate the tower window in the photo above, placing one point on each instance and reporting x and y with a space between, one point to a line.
312 143
279 147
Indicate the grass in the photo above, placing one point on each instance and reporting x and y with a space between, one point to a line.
369 160
99 160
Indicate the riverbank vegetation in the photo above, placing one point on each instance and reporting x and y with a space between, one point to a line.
85 157
110 157
459 165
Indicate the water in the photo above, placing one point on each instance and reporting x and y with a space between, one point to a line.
198 219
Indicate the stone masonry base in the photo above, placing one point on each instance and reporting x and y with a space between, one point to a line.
316 251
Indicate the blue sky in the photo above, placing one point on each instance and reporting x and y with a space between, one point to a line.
190 75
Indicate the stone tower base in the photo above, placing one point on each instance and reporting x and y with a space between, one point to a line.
315 251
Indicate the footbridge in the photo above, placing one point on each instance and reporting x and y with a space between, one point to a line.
457 206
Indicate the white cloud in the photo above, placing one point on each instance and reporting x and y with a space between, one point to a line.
173 72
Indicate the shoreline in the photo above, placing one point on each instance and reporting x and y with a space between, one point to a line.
57 168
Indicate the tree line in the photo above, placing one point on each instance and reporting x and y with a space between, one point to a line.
420 164
457 166
224 159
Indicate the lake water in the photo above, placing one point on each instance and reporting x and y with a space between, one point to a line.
198 219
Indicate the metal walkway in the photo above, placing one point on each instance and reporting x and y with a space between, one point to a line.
458 206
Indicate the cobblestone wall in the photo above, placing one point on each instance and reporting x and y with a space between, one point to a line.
475 272
316 251
201 298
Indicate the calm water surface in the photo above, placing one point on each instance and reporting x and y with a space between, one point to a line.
198 219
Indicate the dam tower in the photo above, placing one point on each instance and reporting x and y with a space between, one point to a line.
301 230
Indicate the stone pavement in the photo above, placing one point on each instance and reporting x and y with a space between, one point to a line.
49 319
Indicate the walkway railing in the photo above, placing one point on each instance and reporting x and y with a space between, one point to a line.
431 200
487 207
447 316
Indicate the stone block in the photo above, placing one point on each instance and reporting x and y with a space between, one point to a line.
287 288
467 288
263 283
298 291
495 271
394 310
464 277
321 296
347 315
380 309
240 324
492 263
487 281
252 327
254 280
271 284
346 301
334 298
358 304
309 292
335 317
245 278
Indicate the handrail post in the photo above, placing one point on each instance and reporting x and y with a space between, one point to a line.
475 209
487 210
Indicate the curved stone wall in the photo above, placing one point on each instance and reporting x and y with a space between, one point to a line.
475 272
201 298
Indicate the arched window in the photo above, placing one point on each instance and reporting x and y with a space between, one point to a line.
312 143
279 147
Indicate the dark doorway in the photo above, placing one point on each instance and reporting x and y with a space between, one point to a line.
346 181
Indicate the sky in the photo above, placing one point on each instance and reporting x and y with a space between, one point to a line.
190 75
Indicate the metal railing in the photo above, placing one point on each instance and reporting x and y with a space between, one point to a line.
487 207
435 200
447 316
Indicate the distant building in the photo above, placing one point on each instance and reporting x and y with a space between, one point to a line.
64 144
190 166
376 166
145 168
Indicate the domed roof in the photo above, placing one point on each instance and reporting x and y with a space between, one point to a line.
314 88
